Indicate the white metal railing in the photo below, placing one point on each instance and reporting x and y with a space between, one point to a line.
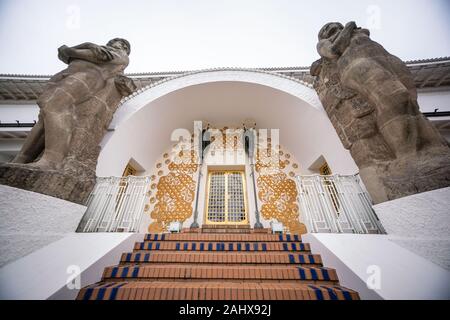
116 204
336 204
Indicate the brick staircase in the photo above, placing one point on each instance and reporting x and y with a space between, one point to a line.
219 264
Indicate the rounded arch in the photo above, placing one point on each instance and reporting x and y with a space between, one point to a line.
142 97
142 125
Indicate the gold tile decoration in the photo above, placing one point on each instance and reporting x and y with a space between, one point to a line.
266 163
159 165
160 173
153 177
175 192
279 196
295 166
277 192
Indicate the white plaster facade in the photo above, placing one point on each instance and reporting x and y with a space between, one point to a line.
60 269
30 221
379 268
420 223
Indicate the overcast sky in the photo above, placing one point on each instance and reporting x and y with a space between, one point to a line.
170 35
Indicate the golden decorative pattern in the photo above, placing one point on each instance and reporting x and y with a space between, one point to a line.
279 195
175 191
277 191
266 163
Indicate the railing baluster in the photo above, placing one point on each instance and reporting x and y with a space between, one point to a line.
336 204
116 204
333 204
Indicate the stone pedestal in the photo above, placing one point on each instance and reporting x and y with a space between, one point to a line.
63 185
420 223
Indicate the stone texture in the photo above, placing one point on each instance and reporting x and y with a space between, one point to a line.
30 221
60 154
371 100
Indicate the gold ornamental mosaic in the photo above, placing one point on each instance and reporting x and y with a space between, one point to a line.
278 192
175 190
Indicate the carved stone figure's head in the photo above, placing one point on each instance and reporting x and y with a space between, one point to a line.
121 44
330 30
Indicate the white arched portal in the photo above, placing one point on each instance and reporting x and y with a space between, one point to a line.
144 96
141 127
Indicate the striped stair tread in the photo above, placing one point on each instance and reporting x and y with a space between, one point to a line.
217 237
221 265
220 257
224 273
144 290
222 246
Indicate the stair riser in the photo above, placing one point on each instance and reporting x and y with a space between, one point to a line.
222 237
220 258
222 246
221 273
219 292
224 281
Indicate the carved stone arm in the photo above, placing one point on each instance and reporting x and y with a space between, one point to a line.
86 45
88 52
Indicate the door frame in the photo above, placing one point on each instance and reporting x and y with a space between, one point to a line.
244 188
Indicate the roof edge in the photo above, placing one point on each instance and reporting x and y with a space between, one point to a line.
272 69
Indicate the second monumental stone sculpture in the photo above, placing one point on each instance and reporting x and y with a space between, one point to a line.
371 100
60 154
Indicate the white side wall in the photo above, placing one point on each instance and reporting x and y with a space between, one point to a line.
420 223
30 221
393 272
44 274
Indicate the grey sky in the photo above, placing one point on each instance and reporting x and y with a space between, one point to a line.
169 35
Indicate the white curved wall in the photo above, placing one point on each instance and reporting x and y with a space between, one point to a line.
144 96
304 129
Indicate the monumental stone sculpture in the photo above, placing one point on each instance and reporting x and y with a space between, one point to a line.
371 100
60 154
